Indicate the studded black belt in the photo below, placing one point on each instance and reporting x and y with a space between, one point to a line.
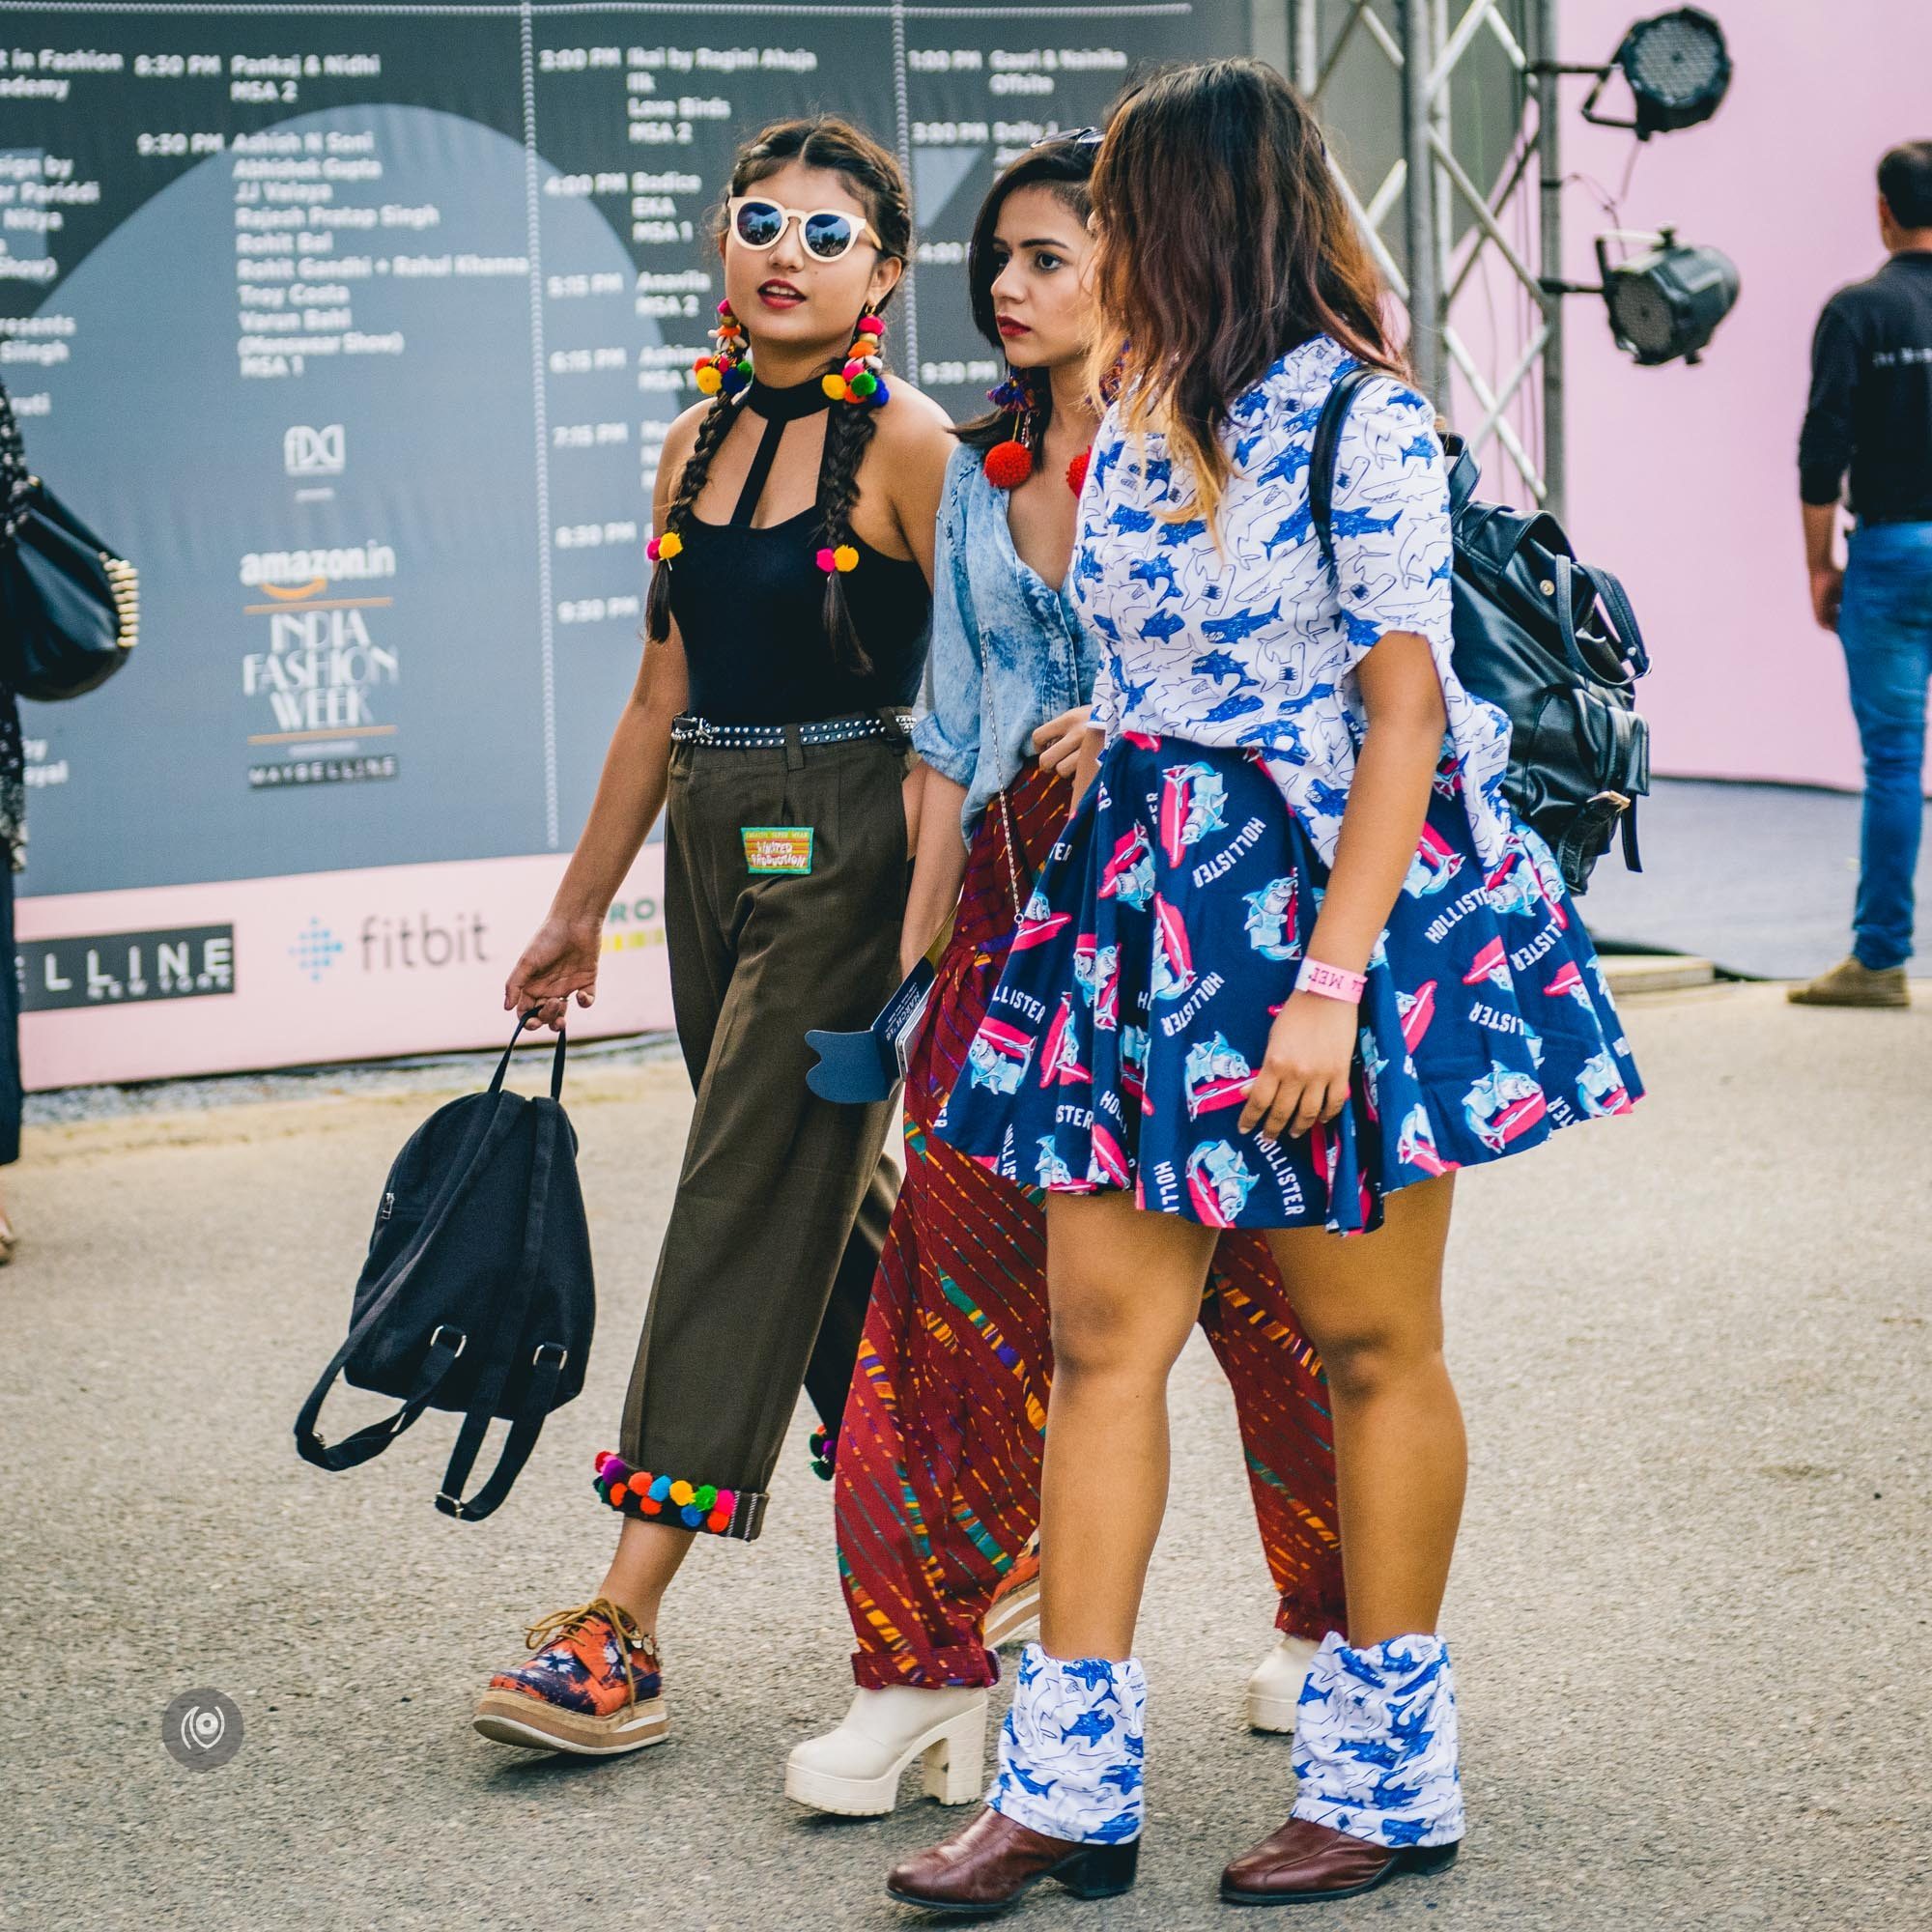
689 730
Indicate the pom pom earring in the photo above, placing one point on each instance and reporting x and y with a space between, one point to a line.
1009 463
862 377
728 367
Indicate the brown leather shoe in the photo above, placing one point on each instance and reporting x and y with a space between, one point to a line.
985 1867
1305 1862
1851 982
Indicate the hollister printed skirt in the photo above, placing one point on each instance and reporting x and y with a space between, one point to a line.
1161 940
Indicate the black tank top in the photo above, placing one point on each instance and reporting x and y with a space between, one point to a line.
749 604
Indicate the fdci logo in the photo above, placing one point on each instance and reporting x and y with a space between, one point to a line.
315 951
313 452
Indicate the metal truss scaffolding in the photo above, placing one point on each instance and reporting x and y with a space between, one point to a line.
1455 228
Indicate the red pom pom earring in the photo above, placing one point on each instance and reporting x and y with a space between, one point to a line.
1009 463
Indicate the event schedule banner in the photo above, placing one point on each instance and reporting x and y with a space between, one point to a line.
358 329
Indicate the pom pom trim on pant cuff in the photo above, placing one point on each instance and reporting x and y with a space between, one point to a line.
677 1502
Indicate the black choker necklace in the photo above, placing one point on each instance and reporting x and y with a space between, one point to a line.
776 405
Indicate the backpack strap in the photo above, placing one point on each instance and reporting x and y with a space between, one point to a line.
1563 573
1610 594
370 1441
547 1364
1322 459
556 1059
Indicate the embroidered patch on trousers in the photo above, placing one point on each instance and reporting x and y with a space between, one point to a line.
776 848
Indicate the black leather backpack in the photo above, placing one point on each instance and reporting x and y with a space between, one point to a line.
477 1296
1551 642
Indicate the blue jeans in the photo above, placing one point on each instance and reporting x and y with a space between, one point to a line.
1885 624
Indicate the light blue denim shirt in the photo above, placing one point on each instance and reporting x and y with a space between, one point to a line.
1008 649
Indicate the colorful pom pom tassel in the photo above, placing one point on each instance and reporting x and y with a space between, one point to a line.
693 1505
1007 464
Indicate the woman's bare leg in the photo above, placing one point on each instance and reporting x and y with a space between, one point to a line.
646 1559
1372 1304
1125 1287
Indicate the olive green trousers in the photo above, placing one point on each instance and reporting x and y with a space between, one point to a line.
782 1198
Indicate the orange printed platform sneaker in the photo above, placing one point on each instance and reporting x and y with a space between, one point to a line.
593 1688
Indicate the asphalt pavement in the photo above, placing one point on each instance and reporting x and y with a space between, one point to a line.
1690 1611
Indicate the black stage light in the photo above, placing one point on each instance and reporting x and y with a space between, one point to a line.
1666 301
1678 69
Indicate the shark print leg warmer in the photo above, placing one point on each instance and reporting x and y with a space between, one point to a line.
1375 1742
1072 1747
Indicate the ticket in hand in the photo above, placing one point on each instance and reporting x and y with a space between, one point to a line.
862 1067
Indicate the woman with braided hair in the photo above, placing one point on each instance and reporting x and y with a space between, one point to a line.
794 518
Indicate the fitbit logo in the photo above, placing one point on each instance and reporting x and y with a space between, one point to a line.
406 945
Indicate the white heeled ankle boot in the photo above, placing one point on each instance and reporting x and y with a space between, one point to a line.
855 1770
1276 1688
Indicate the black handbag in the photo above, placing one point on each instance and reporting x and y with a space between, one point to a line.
477 1296
1551 642
70 609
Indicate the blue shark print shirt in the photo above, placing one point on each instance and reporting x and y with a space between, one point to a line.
1008 649
1254 645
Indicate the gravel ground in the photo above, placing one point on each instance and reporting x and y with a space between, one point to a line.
1689 1610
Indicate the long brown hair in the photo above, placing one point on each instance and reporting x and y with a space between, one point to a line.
1223 242
816 141
1064 167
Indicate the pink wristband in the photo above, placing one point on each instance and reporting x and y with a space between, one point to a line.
1330 982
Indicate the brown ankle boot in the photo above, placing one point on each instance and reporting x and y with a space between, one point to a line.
1853 983
985 1867
1305 1861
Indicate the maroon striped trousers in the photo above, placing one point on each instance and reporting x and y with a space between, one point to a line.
938 1462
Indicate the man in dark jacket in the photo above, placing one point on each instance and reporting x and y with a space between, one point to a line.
1871 413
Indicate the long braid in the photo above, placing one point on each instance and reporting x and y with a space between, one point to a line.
848 435
711 430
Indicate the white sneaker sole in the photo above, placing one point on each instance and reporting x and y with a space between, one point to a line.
953 1770
509 1718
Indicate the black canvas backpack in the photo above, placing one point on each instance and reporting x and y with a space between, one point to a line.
1551 642
477 1296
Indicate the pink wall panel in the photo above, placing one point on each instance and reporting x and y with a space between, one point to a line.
315 967
1684 480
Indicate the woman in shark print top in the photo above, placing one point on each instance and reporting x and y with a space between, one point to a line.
1290 965
1237 638
936 1469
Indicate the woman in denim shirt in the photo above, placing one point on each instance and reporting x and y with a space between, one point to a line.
938 1460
